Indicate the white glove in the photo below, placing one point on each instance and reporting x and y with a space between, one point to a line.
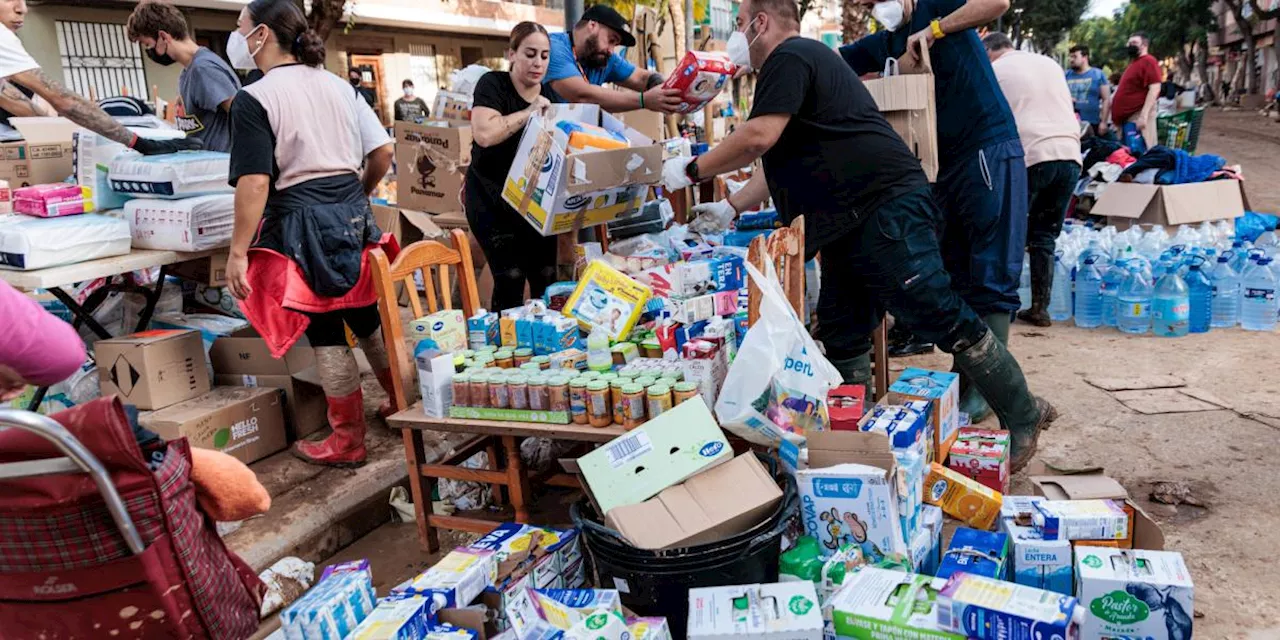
673 175
712 216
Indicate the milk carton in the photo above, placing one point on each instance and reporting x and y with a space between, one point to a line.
1134 593
455 581
852 503
1081 520
777 611
931 522
396 618
876 604
545 613
1036 562
980 553
602 624
979 607
942 391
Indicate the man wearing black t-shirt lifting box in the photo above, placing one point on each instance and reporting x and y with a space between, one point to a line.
830 156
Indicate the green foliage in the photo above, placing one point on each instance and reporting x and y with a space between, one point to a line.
1106 39
1045 22
1172 25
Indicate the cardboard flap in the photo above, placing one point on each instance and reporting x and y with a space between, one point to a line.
902 92
1125 200
1079 487
424 222
310 375
831 448
597 171
1185 203
45 130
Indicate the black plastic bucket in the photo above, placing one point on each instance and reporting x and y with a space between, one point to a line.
657 583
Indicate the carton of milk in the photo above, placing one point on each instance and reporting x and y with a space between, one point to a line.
981 607
1081 520
777 611
942 391
1134 593
455 581
1036 562
852 503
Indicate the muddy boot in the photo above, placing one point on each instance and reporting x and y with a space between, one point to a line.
996 374
971 401
345 446
856 370
904 343
375 351
1041 287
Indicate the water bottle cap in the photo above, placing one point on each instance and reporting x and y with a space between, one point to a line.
1224 258
1264 260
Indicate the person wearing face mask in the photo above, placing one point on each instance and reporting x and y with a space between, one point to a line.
982 177
299 259
411 108
830 156
583 59
18 68
207 84
1090 91
503 102
1134 109
357 82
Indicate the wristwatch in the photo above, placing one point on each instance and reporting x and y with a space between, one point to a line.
936 27
691 171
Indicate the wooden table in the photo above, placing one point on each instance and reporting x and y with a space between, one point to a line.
513 477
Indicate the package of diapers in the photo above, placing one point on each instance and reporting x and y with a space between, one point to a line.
173 175
94 153
190 224
37 243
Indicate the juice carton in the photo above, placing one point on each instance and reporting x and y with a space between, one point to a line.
700 77
524 330
649 628
981 553
1036 562
507 326
541 613
455 581
852 503
1081 520
882 603
554 333
983 455
961 498
482 329
777 611
984 608
1134 593
942 391
395 619
608 298
447 328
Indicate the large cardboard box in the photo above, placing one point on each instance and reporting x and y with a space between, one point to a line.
724 501
554 190
210 271
306 410
431 161
247 424
153 369
906 99
243 360
1091 486
1127 204
44 156
244 351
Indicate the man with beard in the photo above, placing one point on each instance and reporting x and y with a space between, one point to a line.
1134 109
583 59
1090 91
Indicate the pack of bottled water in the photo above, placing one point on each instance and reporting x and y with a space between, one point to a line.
1145 281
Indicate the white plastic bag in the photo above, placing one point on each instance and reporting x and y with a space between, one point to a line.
777 387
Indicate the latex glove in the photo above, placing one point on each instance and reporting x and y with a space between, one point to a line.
149 147
712 216
673 175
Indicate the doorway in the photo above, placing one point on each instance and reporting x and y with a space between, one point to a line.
371 77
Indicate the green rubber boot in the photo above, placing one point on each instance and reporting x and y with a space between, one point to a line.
971 401
996 375
856 370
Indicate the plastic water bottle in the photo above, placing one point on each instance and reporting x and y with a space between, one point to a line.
1133 302
1060 298
1201 290
599 357
1226 294
1088 307
1170 306
1024 284
1111 280
1258 297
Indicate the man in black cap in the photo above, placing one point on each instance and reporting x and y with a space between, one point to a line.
583 59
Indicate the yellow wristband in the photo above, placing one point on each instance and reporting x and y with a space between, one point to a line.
936 27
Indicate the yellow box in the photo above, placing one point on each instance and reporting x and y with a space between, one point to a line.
507 331
609 298
448 328
962 498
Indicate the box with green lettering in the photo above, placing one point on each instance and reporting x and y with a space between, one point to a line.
881 604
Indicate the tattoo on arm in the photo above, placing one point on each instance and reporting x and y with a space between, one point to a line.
74 107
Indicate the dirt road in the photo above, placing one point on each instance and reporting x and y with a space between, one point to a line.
1253 142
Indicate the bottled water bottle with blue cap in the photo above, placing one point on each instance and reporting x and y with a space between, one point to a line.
1170 306
1060 297
1088 307
1258 302
1226 294
1200 289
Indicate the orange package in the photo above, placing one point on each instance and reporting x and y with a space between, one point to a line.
961 497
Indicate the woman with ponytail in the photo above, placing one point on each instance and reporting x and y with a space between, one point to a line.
303 228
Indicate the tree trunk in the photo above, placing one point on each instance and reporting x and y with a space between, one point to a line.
1246 31
1202 71
325 15
1250 63
675 8
853 20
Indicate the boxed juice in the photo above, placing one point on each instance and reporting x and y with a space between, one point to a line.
607 298
881 603
455 581
482 329
1081 520
852 504
982 454
980 553
649 629
447 328
942 391
700 77
1134 593
961 498
1036 562
979 607
554 333
777 611
507 326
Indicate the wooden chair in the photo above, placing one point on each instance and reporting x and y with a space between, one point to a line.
785 247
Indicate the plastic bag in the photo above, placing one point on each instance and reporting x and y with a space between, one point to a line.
790 399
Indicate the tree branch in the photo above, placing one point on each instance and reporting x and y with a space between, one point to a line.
1263 15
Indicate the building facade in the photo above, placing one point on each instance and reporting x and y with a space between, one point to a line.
1228 48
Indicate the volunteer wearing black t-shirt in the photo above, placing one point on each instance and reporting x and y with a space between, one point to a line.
503 102
830 156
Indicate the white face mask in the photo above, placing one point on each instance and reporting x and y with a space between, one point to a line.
888 14
739 49
408 92
238 51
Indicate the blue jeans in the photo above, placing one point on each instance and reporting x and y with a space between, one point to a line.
1131 137
984 201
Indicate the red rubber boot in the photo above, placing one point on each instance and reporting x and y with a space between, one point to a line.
345 446
387 407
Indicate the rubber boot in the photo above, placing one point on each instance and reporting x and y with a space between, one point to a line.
345 446
971 401
375 351
387 407
1041 287
856 370
996 374
902 342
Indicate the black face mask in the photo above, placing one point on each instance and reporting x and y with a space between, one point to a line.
355 82
1133 51
163 60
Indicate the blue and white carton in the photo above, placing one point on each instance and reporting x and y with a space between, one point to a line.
852 504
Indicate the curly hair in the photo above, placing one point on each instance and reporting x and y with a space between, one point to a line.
151 17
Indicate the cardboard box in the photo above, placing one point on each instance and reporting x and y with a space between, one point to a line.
1146 533
1134 593
906 100
409 226
244 351
45 156
962 498
983 455
882 603
431 162
243 360
778 611
555 190
210 271
848 494
940 389
664 451
153 369
1127 204
723 501
305 409
247 424
452 106
650 124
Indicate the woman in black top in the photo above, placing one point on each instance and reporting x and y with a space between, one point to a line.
504 102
